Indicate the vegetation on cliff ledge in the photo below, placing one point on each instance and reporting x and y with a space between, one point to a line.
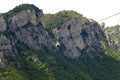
114 33
56 20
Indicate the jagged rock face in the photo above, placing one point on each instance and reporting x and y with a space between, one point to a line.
5 47
113 37
27 28
111 42
24 17
78 37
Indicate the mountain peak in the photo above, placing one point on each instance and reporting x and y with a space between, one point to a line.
25 7
31 51
20 8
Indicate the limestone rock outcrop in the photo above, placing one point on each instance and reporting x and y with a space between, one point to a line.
28 28
113 36
76 36
23 27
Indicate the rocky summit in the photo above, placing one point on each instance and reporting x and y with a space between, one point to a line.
23 27
61 46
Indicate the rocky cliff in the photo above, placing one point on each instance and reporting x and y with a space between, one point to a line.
77 36
113 36
23 27
80 38
61 46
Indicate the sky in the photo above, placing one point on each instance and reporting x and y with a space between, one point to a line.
95 9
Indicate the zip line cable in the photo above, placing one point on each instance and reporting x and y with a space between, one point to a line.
109 17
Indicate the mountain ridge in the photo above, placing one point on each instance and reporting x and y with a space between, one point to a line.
78 49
